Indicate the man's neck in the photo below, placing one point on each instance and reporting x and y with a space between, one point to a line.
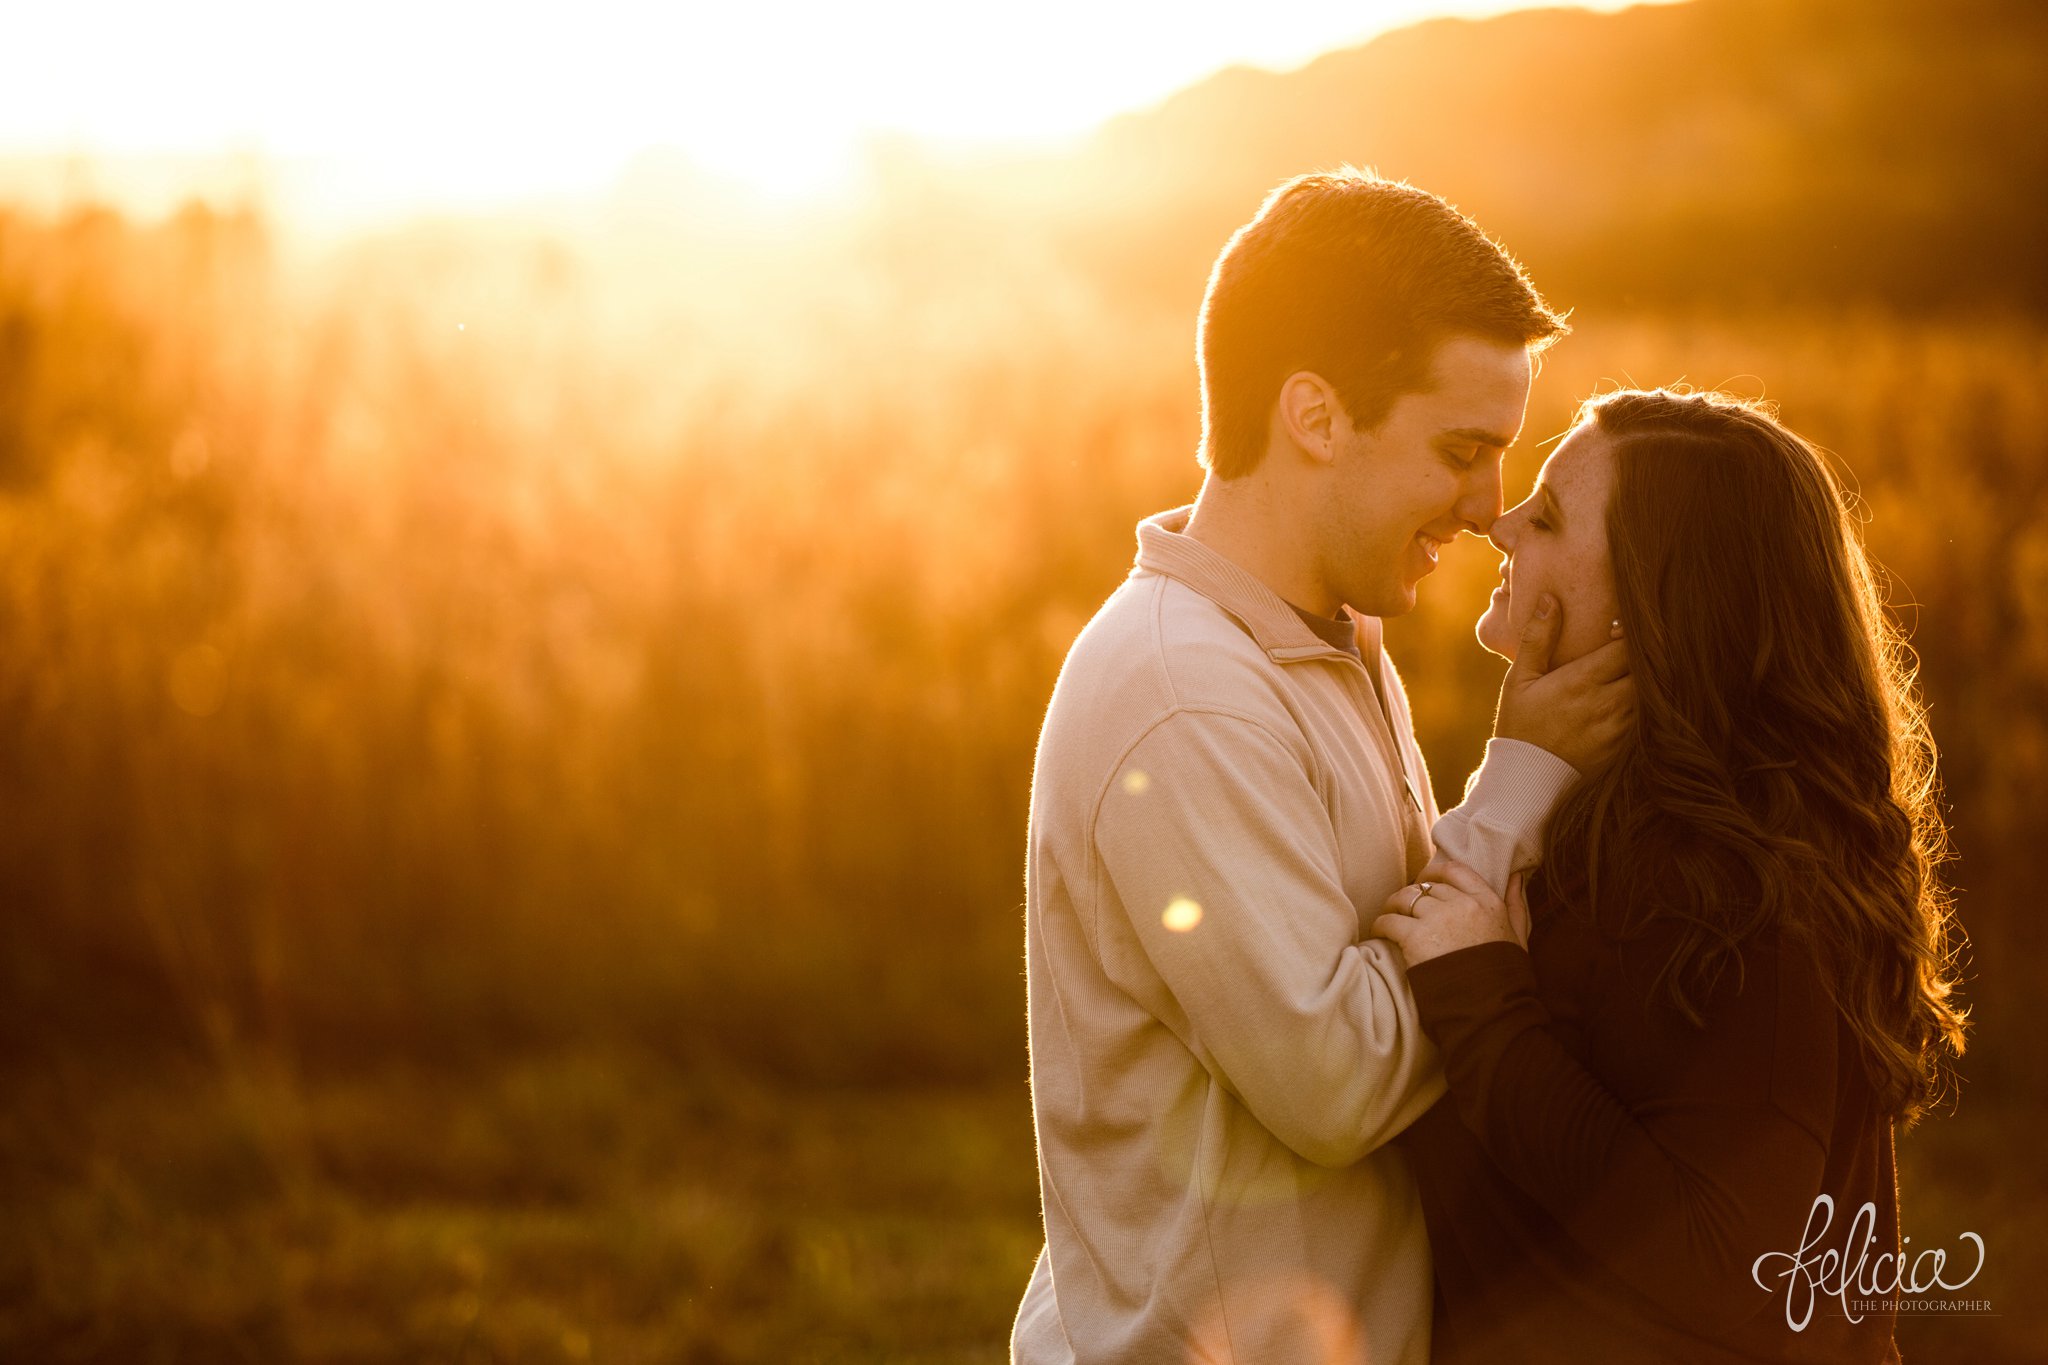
1246 522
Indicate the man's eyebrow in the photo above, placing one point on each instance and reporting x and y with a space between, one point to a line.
1479 437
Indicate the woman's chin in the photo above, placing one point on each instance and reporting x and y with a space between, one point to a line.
1496 634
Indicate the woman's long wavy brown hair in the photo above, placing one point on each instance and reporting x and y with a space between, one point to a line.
1781 774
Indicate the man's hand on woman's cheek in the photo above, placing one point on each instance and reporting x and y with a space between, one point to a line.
1579 711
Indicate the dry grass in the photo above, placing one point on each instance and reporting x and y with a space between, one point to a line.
593 1206
513 753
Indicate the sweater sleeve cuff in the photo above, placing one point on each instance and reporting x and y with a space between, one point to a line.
1498 829
1519 777
1463 989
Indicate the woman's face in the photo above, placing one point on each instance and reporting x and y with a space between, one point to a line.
1555 541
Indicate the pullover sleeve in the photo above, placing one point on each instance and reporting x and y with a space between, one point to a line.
1498 830
1221 851
1679 1191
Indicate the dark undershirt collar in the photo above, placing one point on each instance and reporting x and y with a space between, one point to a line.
1332 631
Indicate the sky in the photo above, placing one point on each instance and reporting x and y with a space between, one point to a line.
419 100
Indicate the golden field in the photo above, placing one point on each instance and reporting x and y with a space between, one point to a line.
514 747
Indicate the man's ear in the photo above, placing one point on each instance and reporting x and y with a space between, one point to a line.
1307 415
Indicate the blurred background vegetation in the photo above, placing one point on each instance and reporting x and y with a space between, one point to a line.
515 738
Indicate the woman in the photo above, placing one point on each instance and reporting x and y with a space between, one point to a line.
1731 975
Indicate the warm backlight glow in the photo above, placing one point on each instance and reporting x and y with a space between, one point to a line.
463 102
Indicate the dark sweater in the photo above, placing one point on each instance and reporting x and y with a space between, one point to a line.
1602 1176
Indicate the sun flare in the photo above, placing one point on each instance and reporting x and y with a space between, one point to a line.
404 102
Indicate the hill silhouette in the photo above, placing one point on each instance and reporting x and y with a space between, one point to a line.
1785 151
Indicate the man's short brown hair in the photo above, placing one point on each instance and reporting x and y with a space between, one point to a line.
1357 279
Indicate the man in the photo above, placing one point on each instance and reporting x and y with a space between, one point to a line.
1227 788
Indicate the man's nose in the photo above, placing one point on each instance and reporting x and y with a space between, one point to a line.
1480 508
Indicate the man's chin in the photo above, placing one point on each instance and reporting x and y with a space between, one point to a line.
1397 603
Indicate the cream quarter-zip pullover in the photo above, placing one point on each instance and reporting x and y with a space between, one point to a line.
1219 1055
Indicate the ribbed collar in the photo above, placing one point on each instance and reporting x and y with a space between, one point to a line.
1164 548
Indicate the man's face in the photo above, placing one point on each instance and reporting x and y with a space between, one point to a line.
1430 470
